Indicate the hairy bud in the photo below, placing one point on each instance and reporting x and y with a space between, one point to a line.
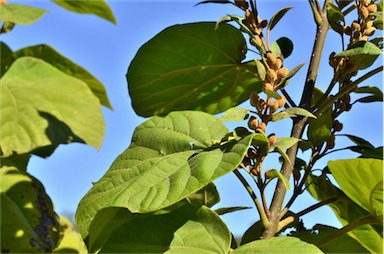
241 4
268 86
282 73
273 106
372 8
370 31
281 101
254 98
272 139
271 75
263 126
253 123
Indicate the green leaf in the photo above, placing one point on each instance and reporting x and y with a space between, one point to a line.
358 141
208 196
235 115
359 179
7 58
37 110
376 94
20 14
283 82
273 173
254 232
7 27
277 17
346 211
319 130
285 143
28 221
361 48
97 7
378 24
191 66
343 244
188 229
282 48
280 244
51 56
291 112
224 210
335 18
71 240
364 54
169 159
260 68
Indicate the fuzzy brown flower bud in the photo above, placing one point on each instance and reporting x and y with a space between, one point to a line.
281 101
273 106
370 31
254 99
271 75
337 126
372 8
272 139
363 12
282 73
263 127
241 4
268 86
253 123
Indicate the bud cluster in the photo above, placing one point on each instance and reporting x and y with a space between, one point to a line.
361 29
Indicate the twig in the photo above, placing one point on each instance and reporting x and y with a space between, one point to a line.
250 191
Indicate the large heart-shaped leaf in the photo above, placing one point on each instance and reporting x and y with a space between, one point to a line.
51 56
361 179
189 229
97 7
28 221
281 244
346 211
169 159
42 106
191 66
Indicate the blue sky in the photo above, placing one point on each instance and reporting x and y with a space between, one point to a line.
106 51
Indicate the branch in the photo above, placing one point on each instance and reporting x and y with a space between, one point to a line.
347 89
299 125
249 189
